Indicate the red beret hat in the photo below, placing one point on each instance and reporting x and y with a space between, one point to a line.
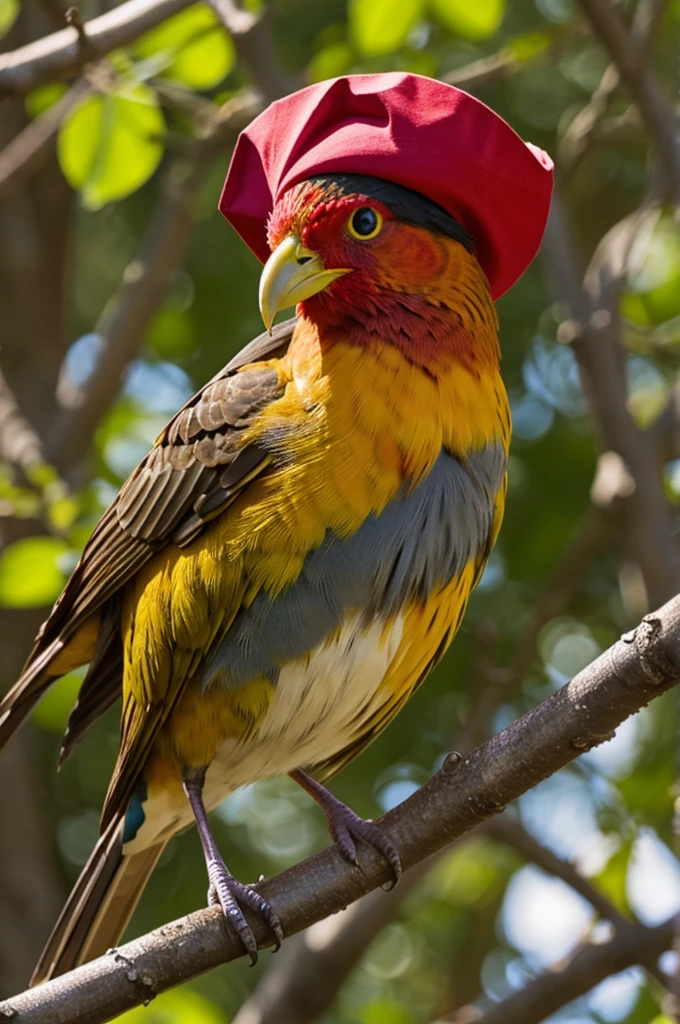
415 131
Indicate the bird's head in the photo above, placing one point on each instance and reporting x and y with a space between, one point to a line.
367 258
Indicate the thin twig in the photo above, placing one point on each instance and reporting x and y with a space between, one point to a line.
633 66
589 125
254 44
465 792
499 66
31 148
62 53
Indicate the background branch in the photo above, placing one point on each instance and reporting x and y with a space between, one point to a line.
632 64
594 332
588 125
62 53
31 147
590 965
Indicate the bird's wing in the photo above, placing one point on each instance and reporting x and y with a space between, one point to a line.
195 469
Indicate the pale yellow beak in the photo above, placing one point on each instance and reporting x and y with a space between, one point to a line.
291 275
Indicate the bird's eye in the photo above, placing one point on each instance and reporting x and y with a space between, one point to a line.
365 223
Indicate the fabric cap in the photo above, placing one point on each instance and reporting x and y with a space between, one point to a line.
415 131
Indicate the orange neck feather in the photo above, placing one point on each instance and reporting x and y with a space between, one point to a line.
426 295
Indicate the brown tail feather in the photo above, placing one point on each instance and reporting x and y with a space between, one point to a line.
100 906
26 692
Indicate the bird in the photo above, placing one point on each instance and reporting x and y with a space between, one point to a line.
295 553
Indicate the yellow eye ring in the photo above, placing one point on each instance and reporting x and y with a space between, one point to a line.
365 223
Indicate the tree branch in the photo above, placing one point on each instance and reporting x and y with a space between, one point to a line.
509 830
62 53
499 66
20 445
31 147
633 66
640 666
588 124
590 965
254 44
303 981
594 334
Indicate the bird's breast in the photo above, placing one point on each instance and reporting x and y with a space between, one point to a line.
321 703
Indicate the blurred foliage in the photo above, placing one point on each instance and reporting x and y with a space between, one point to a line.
112 143
460 933
9 10
191 48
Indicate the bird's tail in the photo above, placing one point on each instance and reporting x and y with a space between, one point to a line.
27 691
100 906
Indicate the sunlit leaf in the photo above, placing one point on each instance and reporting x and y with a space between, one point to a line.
9 10
529 45
176 1007
612 880
384 1011
382 26
30 574
332 61
40 99
62 511
191 47
653 293
471 19
111 144
171 333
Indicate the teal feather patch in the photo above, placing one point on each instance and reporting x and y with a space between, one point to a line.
135 816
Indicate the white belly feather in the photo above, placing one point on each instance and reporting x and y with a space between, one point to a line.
318 709
321 701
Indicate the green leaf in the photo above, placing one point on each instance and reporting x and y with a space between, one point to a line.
40 99
9 10
177 1007
111 144
382 26
528 46
384 1011
653 294
30 576
191 47
171 333
471 19
612 879
331 62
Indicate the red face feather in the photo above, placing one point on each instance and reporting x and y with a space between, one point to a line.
412 287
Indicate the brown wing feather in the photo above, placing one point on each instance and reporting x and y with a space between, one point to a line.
191 474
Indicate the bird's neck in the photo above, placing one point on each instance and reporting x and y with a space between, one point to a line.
443 323
380 387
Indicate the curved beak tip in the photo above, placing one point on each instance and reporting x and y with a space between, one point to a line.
291 275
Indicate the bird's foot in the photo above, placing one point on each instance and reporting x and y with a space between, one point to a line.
232 895
346 827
